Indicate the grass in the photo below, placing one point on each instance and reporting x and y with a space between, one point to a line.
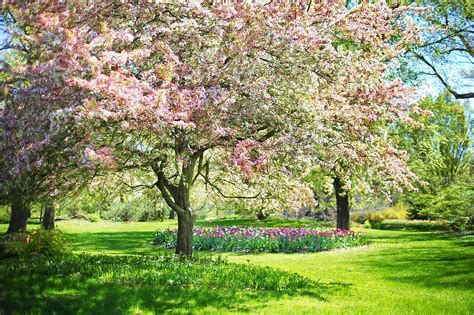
44 283
404 270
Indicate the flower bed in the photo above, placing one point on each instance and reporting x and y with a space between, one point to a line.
264 240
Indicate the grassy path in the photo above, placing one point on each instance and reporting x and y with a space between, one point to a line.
401 272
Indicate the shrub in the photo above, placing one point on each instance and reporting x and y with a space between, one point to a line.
367 224
148 214
4 214
258 240
120 212
460 224
94 217
136 210
396 212
420 206
453 203
36 243
372 217
361 217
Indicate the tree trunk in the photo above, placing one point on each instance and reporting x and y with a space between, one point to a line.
177 198
184 244
48 217
342 201
261 215
19 216
172 214
180 205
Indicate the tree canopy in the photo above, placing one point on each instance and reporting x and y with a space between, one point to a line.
170 89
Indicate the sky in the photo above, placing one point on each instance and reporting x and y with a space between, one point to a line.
454 72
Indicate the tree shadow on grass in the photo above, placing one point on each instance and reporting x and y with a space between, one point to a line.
54 295
411 226
118 242
430 260
403 236
269 222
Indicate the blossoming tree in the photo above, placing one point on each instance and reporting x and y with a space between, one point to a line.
40 160
352 138
174 88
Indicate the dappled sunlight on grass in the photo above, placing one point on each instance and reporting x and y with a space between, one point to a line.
66 296
102 284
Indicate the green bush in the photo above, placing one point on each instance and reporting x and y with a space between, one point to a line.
4 214
94 217
460 224
363 217
371 217
120 212
148 214
453 203
419 206
135 210
396 212
35 243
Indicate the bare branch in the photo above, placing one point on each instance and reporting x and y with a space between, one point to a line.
446 85
220 192
140 186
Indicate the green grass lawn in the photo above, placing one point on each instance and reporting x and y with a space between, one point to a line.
403 271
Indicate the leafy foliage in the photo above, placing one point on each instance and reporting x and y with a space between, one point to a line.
441 155
39 242
448 46
135 210
398 211
453 203
439 152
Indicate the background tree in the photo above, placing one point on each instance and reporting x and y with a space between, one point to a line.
352 142
38 158
268 193
441 155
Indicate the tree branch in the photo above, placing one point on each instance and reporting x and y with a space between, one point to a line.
446 85
168 190
220 192
162 186
140 186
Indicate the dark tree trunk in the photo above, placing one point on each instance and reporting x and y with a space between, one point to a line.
261 215
184 244
172 214
342 202
177 198
19 216
48 217
40 219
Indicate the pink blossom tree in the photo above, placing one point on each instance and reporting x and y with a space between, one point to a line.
38 144
175 88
